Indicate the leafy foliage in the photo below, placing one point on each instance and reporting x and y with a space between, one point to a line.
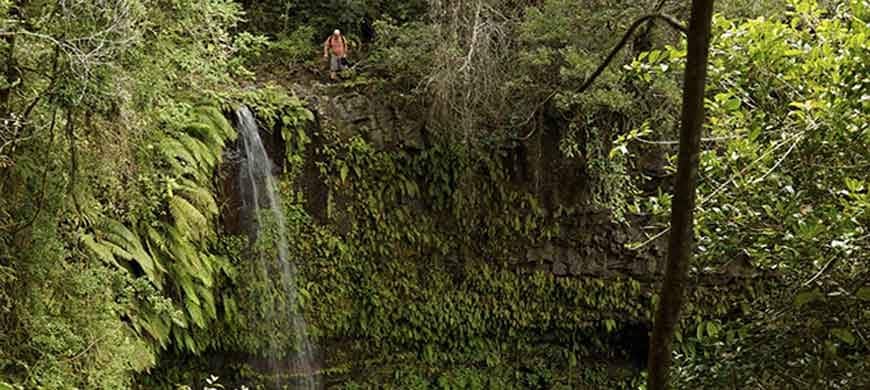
784 189
354 17
112 131
91 163
172 252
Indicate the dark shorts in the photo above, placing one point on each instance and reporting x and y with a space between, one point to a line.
336 64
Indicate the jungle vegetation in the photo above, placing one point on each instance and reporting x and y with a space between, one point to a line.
535 140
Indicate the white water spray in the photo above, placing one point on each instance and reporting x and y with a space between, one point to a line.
259 194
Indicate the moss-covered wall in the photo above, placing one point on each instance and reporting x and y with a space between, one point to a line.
431 265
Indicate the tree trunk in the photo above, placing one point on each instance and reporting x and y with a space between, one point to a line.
681 241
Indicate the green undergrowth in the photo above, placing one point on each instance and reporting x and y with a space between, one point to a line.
170 248
427 266
412 281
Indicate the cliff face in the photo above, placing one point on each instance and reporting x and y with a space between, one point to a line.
418 259
589 244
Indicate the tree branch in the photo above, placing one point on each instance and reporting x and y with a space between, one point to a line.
48 89
625 38
671 21
822 271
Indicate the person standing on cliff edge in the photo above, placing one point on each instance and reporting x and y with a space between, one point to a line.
335 49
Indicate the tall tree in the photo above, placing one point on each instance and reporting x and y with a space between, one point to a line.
682 213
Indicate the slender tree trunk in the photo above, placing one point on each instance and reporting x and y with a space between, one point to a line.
681 239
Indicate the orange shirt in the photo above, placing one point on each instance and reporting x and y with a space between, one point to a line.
337 45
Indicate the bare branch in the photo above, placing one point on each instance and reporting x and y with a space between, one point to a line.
625 38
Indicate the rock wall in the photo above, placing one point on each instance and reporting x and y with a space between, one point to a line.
591 245
582 285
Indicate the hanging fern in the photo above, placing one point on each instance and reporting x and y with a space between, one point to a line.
102 250
214 118
173 254
204 132
198 196
189 220
127 246
171 249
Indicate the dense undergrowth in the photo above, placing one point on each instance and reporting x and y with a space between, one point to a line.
116 270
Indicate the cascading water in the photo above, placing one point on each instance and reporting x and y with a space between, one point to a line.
261 202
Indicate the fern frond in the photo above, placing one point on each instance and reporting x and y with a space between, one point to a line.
192 172
214 116
173 149
156 241
195 312
207 297
199 267
122 255
207 263
156 327
223 264
231 310
206 134
188 286
128 246
189 343
206 158
179 247
103 251
188 261
189 221
180 321
199 196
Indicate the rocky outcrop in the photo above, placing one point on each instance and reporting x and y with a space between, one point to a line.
596 247
592 245
387 121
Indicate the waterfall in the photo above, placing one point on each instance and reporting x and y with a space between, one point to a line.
260 198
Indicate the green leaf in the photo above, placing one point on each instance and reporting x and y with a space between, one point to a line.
173 149
213 116
854 185
207 297
844 335
204 157
610 324
806 297
343 171
103 251
230 308
199 196
155 325
6 386
206 134
307 115
189 220
732 105
712 329
128 246
195 312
